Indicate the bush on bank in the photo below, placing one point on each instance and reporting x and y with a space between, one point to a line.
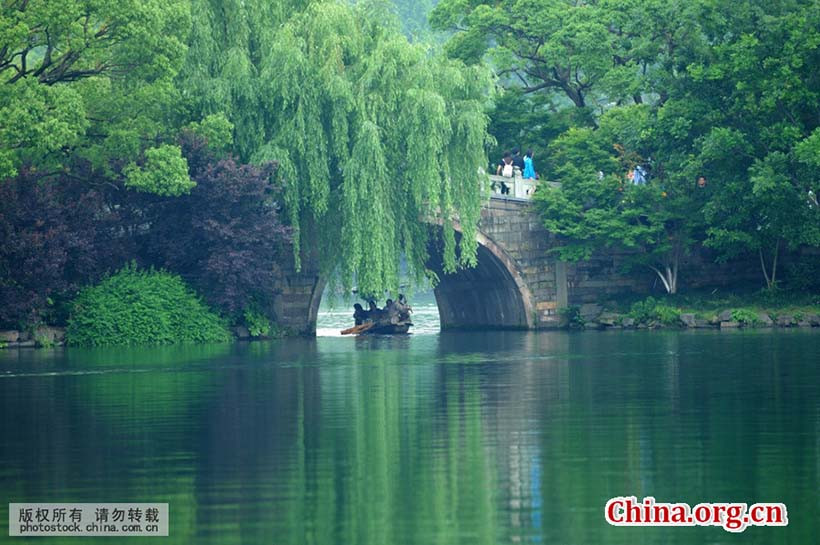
134 306
650 310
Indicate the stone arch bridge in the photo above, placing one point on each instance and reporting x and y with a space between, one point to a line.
517 283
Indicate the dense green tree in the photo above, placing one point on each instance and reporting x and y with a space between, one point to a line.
761 84
724 90
88 81
133 307
577 50
598 206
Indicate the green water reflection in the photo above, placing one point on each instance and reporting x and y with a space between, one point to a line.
466 438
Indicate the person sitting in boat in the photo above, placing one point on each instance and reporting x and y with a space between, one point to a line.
390 311
404 309
359 314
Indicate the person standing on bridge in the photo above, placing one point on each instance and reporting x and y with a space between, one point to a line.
529 168
518 161
505 168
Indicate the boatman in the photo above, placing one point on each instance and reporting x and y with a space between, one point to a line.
359 314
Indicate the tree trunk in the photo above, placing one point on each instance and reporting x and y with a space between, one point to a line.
774 263
574 94
669 280
674 279
771 279
763 267
669 276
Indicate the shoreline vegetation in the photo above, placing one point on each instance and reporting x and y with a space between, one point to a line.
764 309
767 308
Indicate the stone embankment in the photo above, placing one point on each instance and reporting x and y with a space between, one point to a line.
42 336
587 316
47 337
593 316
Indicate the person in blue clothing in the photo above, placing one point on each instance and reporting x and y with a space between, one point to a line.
529 169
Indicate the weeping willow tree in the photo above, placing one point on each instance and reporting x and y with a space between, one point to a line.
373 135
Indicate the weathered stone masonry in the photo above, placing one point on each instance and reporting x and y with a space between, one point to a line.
518 283
512 232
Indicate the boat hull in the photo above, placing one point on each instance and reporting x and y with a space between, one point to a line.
390 329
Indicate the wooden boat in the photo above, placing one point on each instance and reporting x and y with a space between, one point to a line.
390 329
377 328
391 320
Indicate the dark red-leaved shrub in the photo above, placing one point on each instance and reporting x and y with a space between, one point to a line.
55 235
60 233
226 236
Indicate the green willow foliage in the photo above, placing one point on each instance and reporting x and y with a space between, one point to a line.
134 307
373 134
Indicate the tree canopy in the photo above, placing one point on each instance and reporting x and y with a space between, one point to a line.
371 134
724 90
88 81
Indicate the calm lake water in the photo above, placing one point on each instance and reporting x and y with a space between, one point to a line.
467 438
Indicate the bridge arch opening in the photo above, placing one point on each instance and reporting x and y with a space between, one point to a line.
491 295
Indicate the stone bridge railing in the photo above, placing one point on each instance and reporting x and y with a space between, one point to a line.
519 188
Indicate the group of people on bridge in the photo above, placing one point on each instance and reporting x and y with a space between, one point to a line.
513 164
